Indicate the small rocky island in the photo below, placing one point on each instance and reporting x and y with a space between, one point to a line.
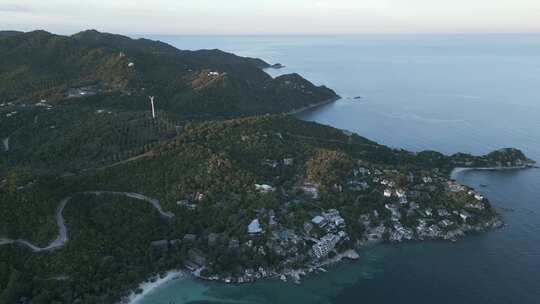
277 66
125 159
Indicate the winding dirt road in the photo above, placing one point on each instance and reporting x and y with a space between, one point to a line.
62 238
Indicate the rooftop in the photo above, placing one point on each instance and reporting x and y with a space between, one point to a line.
254 227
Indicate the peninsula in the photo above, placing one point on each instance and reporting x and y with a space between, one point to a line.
99 194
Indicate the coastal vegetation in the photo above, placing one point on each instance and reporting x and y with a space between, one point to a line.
250 195
206 177
123 72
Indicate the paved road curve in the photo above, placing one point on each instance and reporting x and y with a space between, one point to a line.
62 238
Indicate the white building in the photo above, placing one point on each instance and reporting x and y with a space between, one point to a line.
199 197
464 215
443 212
254 227
387 192
319 221
325 245
288 161
357 185
478 206
311 190
333 216
339 221
395 212
455 187
400 193
264 188
446 223
361 171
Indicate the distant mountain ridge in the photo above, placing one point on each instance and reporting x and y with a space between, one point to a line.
40 65
9 33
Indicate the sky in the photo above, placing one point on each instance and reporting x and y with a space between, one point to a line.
245 17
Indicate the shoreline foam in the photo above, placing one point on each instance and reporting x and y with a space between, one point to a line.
456 171
151 285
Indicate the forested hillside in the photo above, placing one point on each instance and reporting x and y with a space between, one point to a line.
38 66
98 195
206 177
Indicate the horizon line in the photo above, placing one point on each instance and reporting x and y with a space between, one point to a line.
341 34
131 34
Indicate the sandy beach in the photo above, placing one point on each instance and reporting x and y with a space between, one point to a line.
151 285
455 173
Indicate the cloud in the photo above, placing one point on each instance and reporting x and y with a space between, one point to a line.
273 16
11 7
322 4
352 5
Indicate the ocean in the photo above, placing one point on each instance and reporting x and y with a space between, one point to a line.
468 93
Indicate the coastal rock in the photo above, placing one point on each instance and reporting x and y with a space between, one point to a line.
351 254
277 66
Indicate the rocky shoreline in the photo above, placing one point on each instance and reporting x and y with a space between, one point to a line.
315 266
288 274
296 275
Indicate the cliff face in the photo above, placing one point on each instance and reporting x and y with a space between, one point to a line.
39 65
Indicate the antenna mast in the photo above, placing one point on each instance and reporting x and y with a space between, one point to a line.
153 110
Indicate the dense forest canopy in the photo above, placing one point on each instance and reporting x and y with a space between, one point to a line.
38 66
213 166
98 195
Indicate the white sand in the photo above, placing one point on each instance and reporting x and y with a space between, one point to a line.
149 286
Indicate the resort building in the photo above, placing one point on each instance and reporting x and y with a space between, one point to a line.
325 245
254 227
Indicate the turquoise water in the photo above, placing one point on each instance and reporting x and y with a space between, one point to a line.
448 93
